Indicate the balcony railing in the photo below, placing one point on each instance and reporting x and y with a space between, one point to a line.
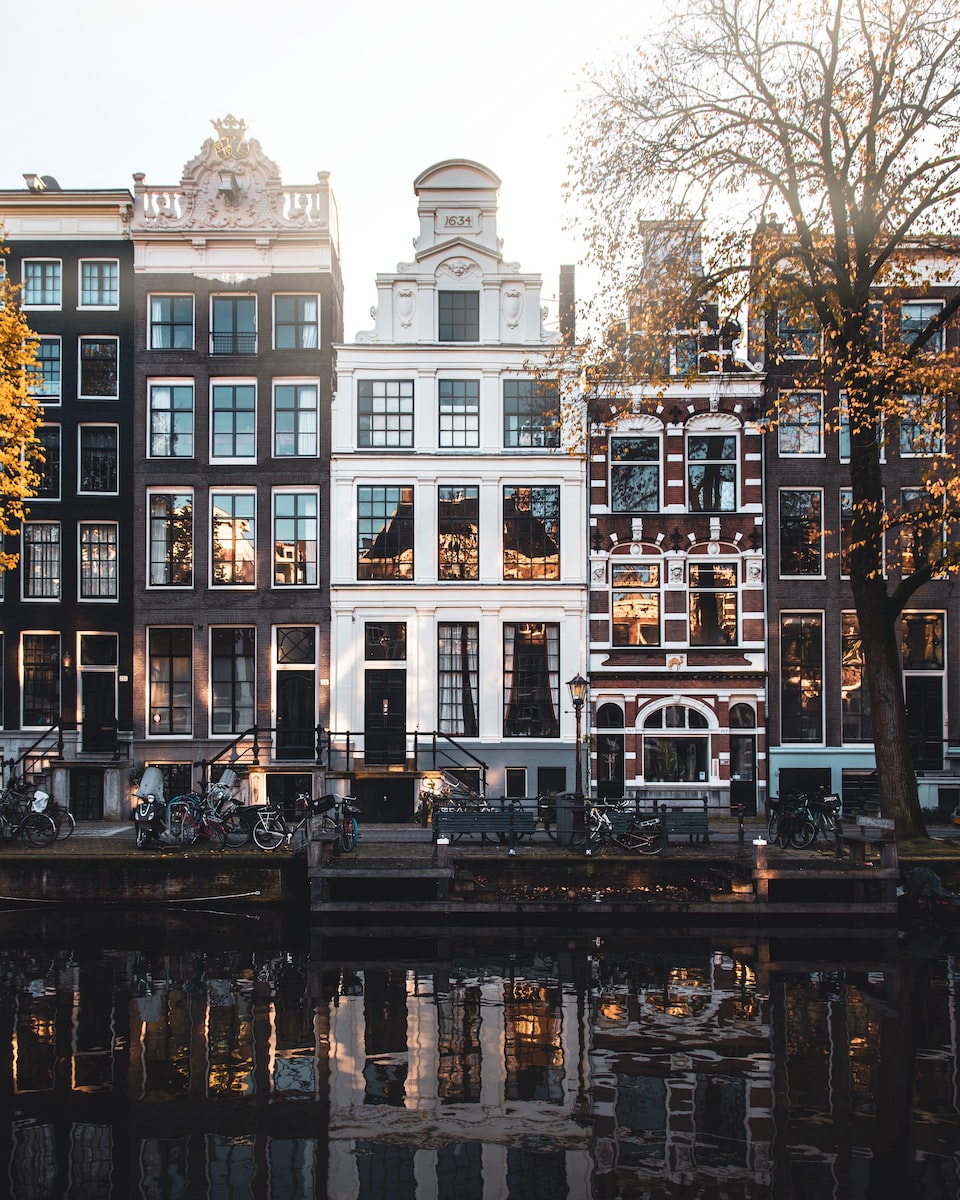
233 343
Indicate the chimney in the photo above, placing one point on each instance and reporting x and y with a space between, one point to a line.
568 304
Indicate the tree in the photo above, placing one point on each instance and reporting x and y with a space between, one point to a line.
815 147
20 416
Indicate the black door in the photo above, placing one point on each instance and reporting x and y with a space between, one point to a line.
98 693
743 772
385 717
924 697
296 732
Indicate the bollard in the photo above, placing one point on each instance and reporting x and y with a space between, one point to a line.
760 853
443 852
740 824
838 839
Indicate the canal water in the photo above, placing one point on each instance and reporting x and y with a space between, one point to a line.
225 1057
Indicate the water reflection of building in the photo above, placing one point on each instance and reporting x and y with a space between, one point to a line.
646 1071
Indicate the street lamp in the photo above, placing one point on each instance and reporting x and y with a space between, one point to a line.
578 694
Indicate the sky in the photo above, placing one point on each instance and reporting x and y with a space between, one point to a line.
372 91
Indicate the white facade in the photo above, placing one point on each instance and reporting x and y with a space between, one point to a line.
434 412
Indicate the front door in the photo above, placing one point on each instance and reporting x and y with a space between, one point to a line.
98 695
924 699
296 706
743 772
385 717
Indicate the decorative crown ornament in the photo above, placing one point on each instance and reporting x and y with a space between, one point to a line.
231 137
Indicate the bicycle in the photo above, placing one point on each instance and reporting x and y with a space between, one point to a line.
789 824
644 836
191 819
23 817
339 822
22 791
819 814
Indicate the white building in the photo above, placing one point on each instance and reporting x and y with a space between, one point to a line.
458 522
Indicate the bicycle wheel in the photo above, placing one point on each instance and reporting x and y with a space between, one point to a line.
270 831
37 829
349 834
802 833
646 838
65 822
235 831
181 823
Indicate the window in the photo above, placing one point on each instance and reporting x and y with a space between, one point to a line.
531 680
233 421
296 692
232 661
799 423
843 430
458 533
801 531
41 679
703 352
675 755
384 413
295 420
171 539
922 531
712 473
233 539
458 678
922 641
98 560
385 641
531 533
171 322
459 401
41 283
921 426
458 316
385 532
171 420
233 327
531 414
635 474
99 460
40 571
846 523
295 323
99 283
915 317
295 533
636 604
99 377
801 677
170 653
713 604
45 374
798 334
856 716
49 470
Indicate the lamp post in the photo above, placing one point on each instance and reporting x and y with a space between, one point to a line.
578 694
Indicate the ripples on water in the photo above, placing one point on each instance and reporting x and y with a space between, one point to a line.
237 1061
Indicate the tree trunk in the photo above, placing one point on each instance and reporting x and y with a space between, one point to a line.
879 629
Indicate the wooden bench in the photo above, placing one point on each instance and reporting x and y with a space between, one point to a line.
878 832
691 823
497 823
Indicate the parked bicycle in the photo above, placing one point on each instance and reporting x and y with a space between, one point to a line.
789 823
606 825
338 822
24 817
19 787
818 815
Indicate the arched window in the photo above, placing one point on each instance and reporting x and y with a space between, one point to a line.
610 746
742 716
672 753
609 716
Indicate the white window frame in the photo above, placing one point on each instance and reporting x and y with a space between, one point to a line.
100 262
150 321
938 440
171 383
166 587
315 296
108 597
785 397
820 573
96 337
48 398
935 345
219 381
25 576
297 383
52 499
215 494
81 491
294 491
27 304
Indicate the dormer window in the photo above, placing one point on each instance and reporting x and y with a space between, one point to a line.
458 316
